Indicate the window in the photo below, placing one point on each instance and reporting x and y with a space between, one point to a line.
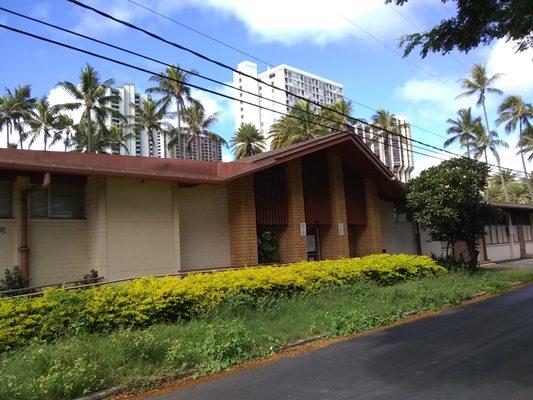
6 199
272 75
400 213
63 201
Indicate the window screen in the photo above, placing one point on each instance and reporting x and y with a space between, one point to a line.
59 201
6 199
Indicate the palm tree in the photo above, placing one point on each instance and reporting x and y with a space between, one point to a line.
526 143
44 120
91 95
14 106
116 139
64 132
494 192
247 141
462 129
172 86
336 116
389 126
514 111
80 138
301 124
508 176
518 192
199 124
149 115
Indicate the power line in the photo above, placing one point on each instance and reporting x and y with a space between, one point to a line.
209 59
396 52
163 63
231 68
229 46
141 69
420 29
265 62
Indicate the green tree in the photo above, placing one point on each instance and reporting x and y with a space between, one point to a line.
14 107
92 96
337 116
515 112
479 84
447 201
482 143
64 132
247 141
477 22
149 115
526 143
80 138
462 129
199 124
44 120
117 138
494 192
301 124
172 86
518 192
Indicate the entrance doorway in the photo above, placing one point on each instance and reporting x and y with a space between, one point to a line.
313 244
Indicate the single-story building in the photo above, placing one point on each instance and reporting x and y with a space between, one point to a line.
132 216
64 213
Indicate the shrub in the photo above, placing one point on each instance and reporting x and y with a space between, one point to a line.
13 279
147 301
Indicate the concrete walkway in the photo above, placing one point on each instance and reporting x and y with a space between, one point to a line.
482 351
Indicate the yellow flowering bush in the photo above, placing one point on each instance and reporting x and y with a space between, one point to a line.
151 300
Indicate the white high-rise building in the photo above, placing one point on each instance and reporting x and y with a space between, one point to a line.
395 151
136 145
293 80
210 148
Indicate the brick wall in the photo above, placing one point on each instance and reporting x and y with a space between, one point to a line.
333 245
292 246
368 239
243 230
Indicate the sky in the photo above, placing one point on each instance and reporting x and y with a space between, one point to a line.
353 42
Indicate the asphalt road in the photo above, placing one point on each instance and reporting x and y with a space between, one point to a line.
482 351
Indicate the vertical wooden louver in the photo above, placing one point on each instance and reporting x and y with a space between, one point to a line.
354 191
271 201
316 189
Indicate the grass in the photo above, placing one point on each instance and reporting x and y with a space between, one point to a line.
237 331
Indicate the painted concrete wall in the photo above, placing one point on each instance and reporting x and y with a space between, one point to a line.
429 247
204 227
10 231
529 247
140 229
398 237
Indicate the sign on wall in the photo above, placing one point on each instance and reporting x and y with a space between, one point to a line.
3 230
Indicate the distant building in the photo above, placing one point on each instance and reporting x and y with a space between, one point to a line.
210 148
394 151
293 80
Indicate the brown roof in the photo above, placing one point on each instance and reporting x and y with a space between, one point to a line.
509 205
354 153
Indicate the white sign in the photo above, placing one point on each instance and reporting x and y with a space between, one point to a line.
303 229
341 229
3 230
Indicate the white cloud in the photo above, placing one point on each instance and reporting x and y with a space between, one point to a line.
516 67
41 10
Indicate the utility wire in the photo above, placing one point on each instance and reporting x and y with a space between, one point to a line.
265 62
235 99
194 73
141 69
229 46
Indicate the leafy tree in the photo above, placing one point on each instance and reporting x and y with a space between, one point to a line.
462 129
80 138
477 22
172 86
64 132
247 141
526 143
199 124
149 115
14 107
91 95
336 116
478 83
494 192
515 112
482 143
447 201
44 120
301 124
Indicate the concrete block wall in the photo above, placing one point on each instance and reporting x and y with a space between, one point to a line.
334 244
292 245
242 223
368 239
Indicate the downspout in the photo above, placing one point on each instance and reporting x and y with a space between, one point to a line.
24 250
